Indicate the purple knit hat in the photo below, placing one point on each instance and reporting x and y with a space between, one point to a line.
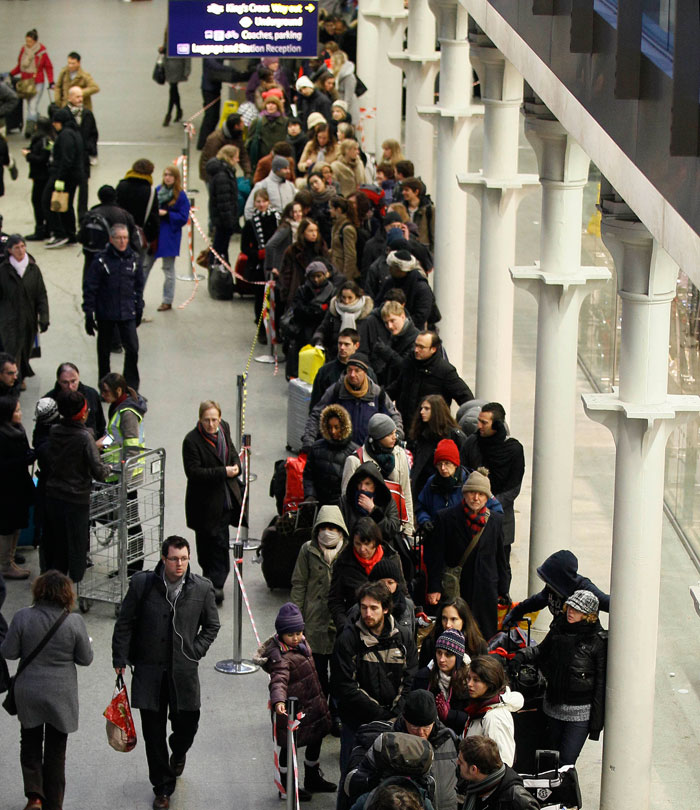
289 619
452 641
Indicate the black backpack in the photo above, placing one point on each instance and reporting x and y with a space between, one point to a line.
94 232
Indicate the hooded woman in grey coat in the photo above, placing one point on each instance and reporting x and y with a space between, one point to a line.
311 583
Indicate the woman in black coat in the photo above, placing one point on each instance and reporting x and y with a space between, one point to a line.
367 495
223 198
213 496
432 423
257 232
572 657
24 304
485 575
323 472
16 487
353 567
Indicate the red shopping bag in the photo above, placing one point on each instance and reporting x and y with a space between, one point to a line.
121 732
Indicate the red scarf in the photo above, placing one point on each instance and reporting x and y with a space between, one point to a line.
369 564
475 520
478 708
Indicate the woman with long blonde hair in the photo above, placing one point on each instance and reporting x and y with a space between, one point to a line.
174 212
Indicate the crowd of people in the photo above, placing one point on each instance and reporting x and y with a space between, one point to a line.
414 505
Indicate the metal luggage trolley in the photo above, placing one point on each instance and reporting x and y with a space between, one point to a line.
126 526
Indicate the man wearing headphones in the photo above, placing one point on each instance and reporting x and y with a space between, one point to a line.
503 456
166 624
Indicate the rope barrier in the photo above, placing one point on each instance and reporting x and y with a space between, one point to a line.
199 112
235 567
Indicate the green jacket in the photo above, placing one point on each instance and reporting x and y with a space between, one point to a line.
311 582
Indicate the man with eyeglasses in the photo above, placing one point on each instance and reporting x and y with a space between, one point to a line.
167 622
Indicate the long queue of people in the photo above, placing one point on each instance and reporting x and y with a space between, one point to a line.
414 508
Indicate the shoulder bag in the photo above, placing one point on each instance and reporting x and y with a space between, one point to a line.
9 704
452 575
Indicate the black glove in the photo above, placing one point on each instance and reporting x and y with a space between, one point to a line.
428 527
505 599
90 325
508 621
43 327
138 319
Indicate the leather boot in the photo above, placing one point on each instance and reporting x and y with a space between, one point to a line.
166 120
314 781
12 571
178 114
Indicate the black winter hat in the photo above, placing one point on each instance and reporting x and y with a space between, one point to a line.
419 708
385 569
107 194
360 360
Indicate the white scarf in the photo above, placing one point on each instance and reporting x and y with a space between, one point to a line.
349 312
330 542
20 267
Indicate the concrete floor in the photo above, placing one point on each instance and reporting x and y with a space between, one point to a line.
196 353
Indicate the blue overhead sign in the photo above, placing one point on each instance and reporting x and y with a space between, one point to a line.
242 30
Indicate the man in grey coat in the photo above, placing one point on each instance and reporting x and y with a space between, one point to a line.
166 624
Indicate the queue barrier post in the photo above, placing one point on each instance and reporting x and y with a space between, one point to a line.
291 704
237 665
249 543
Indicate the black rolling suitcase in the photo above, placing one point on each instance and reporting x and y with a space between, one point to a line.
555 787
14 120
281 542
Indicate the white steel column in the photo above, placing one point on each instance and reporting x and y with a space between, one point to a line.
367 46
389 18
454 116
640 416
499 188
559 284
420 64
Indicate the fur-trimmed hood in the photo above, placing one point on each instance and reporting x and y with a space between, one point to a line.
345 423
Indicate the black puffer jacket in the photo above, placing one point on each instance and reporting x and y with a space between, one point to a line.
578 679
326 459
223 194
419 296
74 461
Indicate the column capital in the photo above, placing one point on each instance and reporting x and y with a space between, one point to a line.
500 81
434 112
511 189
533 278
560 159
407 61
644 268
612 412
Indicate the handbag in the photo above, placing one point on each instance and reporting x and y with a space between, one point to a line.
159 70
453 574
9 704
59 201
121 731
26 88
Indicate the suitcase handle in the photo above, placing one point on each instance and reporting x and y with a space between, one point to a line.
542 753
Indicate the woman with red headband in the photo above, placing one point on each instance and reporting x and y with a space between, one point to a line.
74 461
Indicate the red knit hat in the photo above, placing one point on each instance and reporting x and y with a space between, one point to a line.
446 451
